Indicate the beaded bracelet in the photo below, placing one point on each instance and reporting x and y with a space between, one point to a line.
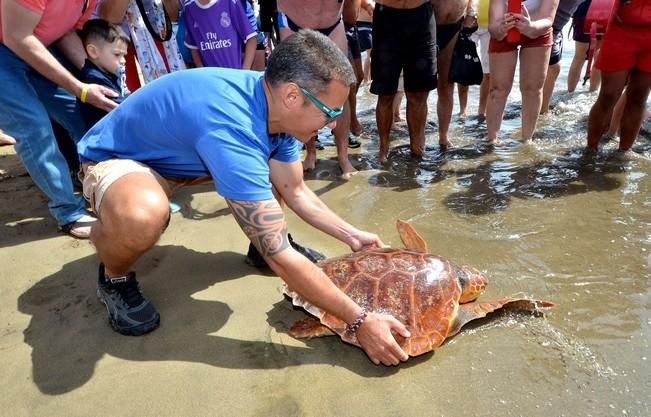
352 327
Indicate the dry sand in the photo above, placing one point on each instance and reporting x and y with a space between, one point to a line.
221 349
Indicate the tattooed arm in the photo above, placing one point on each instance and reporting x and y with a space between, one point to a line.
264 224
288 180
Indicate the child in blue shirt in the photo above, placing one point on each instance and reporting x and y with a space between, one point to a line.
106 46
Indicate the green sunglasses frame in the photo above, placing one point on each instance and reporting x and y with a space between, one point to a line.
331 114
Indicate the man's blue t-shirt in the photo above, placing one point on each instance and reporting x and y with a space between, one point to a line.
194 123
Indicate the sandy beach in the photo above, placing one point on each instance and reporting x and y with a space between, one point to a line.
538 221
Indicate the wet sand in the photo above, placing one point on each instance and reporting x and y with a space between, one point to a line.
538 220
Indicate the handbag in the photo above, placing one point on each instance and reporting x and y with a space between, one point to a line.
466 66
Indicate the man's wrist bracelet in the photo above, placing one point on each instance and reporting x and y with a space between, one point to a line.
354 326
84 93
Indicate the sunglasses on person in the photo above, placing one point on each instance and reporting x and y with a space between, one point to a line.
331 114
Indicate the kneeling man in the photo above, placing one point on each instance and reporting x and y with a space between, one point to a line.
238 129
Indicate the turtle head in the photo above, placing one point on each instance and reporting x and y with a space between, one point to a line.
472 283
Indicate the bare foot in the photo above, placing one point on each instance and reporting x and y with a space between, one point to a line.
309 163
347 169
382 156
397 118
445 145
6 140
356 128
493 141
527 141
626 155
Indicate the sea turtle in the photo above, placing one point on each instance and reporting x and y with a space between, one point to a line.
432 297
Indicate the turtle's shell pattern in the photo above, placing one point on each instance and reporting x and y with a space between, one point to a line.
420 290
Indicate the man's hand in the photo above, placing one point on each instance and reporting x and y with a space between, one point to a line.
376 338
364 240
96 95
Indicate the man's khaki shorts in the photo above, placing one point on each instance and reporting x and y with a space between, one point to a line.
97 177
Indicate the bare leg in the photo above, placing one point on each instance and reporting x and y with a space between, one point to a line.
616 118
484 88
548 88
533 70
595 78
258 61
133 215
612 85
502 72
635 110
341 132
355 127
445 90
397 102
309 163
383 118
416 118
367 67
573 76
462 91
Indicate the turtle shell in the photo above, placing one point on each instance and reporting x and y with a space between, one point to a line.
420 290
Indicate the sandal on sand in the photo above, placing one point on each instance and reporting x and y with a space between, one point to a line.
79 228
6 140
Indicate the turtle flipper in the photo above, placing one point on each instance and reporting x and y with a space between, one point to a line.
477 310
410 237
309 327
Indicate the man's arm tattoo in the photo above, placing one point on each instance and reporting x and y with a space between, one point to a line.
264 224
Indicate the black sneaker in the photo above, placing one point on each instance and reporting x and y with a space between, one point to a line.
254 258
129 312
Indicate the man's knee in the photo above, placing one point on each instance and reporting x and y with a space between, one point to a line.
142 224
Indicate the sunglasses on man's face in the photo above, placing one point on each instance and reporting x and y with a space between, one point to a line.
331 114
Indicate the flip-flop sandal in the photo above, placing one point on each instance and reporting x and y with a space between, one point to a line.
353 143
80 228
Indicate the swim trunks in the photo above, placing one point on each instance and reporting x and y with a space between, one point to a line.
352 37
557 47
364 35
285 22
525 42
404 40
625 47
445 33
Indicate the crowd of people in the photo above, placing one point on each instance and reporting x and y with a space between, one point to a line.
114 75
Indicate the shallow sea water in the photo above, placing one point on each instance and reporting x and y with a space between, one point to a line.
541 220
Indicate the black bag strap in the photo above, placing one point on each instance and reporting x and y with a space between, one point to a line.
150 28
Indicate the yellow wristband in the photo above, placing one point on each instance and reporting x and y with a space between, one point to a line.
84 93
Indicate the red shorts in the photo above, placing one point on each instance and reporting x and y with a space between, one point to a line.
625 47
496 46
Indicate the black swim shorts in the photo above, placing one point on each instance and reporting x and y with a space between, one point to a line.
557 47
403 40
364 35
353 42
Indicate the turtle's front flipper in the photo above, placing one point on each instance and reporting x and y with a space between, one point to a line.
477 310
309 327
410 237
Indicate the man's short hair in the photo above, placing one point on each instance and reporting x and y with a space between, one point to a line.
309 59
99 30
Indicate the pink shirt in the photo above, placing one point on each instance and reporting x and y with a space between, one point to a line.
58 17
